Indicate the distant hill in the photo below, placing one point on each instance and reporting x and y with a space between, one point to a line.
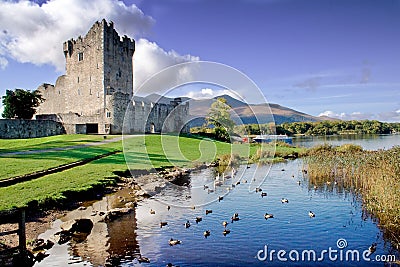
242 113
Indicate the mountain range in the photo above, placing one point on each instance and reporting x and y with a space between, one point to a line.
242 113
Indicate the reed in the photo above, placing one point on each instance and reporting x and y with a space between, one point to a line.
373 174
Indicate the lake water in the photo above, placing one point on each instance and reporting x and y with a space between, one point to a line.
339 226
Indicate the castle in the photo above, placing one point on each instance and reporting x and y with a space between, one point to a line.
97 90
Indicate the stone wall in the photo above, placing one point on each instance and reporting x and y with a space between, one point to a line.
13 129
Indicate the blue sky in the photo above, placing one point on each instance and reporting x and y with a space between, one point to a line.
334 57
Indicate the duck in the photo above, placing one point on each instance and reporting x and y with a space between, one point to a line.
152 211
233 185
299 182
245 181
217 183
143 259
210 191
263 194
258 189
284 200
208 212
205 187
187 224
226 231
168 207
193 207
163 224
235 217
268 216
224 223
206 233
247 167
198 219
372 248
311 214
173 242
238 183
220 198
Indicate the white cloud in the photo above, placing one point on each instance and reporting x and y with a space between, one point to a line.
3 63
391 116
207 93
149 59
33 33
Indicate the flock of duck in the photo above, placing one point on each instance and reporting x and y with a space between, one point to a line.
235 217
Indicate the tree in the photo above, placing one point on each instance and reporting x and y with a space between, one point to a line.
21 104
219 116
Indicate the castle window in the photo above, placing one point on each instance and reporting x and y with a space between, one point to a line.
80 56
108 114
78 79
98 94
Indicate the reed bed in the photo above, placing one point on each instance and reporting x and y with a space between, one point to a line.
375 175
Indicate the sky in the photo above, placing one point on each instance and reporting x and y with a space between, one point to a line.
323 57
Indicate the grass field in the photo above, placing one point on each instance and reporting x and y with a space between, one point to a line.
14 145
140 152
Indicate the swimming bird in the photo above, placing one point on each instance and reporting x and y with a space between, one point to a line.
163 224
187 224
311 214
235 217
143 259
248 167
210 191
224 223
268 216
284 200
220 198
168 207
263 194
173 242
226 231
258 189
206 233
372 248
205 187
245 181
233 185
193 207
208 211
152 211
299 182
238 183
198 219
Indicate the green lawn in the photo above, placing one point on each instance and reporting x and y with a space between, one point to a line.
140 152
15 165
13 145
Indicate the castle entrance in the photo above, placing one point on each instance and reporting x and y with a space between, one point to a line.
92 128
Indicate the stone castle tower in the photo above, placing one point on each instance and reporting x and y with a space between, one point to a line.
97 88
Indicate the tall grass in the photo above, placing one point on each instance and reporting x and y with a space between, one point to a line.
374 174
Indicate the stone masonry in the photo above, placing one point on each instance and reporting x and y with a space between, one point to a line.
97 89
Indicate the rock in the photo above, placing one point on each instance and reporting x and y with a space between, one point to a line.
77 226
40 244
131 204
116 213
62 237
